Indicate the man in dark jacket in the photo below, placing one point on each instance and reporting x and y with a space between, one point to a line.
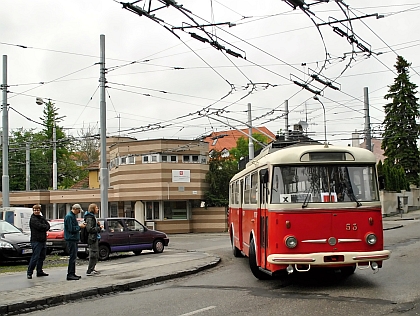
39 227
72 236
93 228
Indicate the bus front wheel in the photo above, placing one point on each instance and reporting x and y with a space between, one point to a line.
236 252
253 263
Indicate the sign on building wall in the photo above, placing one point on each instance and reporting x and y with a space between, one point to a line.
181 176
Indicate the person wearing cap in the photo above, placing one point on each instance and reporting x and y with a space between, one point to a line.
72 237
39 227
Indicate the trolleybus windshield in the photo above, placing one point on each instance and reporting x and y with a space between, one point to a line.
324 183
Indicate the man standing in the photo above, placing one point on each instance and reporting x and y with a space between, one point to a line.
72 236
39 227
93 227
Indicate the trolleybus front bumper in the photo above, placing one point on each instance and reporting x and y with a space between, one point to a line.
329 258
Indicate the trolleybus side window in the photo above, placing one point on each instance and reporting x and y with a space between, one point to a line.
254 188
247 189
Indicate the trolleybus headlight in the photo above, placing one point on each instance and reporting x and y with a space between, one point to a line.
291 242
371 239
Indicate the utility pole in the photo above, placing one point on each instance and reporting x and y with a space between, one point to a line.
28 167
250 143
103 169
40 101
367 120
5 142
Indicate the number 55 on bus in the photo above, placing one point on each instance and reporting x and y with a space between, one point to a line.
307 206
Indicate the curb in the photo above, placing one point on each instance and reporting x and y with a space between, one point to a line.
46 302
395 227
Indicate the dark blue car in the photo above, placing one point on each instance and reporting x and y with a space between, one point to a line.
122 234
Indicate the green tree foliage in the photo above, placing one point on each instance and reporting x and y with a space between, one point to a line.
41 156
401 129
221 170
394 177
242 148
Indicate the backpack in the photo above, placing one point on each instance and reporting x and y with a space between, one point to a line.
84 234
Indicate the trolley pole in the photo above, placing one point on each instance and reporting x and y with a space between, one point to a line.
250 143
367 120
286 120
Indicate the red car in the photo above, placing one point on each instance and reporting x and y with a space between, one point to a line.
55 236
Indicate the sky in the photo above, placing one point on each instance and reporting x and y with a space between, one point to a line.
191 68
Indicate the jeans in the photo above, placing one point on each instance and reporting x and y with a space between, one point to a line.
72 247
39 251
93 256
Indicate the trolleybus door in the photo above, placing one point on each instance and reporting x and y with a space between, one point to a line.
263 225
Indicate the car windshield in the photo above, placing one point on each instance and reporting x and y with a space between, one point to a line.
7 228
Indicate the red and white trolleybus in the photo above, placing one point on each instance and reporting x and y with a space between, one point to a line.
307 206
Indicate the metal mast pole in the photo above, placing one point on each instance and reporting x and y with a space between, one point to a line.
28 167
5 143
55 214
104 168
250 142
367 120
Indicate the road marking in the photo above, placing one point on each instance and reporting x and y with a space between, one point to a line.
198 311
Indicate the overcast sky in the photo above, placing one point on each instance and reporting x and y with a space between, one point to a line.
160 77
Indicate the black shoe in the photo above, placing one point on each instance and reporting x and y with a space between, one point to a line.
78 276
41 274
29 276
72 277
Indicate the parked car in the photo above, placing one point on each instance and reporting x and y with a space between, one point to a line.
121 234
14 244
55 236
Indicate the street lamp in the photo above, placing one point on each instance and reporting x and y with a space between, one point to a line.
40 101
325 121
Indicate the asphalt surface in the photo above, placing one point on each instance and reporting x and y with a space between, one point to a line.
20 295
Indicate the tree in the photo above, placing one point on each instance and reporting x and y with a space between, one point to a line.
401 129
242 147
221 170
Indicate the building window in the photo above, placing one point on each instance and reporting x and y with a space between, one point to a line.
145 158
131 160
164 158
123 160
195 158
152 211
173 159
185 158
175 210
154 158
225 153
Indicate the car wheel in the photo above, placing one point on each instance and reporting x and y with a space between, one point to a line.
82 255
137 252
253 263
103 252
158 246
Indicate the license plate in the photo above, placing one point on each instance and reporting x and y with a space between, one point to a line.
49 243
24 251
81 249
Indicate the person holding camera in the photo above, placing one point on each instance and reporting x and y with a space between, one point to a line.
72 237
93 228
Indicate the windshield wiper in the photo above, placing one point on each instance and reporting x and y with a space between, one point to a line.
352 197
308 193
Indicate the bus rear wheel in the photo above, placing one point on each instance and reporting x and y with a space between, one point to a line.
253 263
